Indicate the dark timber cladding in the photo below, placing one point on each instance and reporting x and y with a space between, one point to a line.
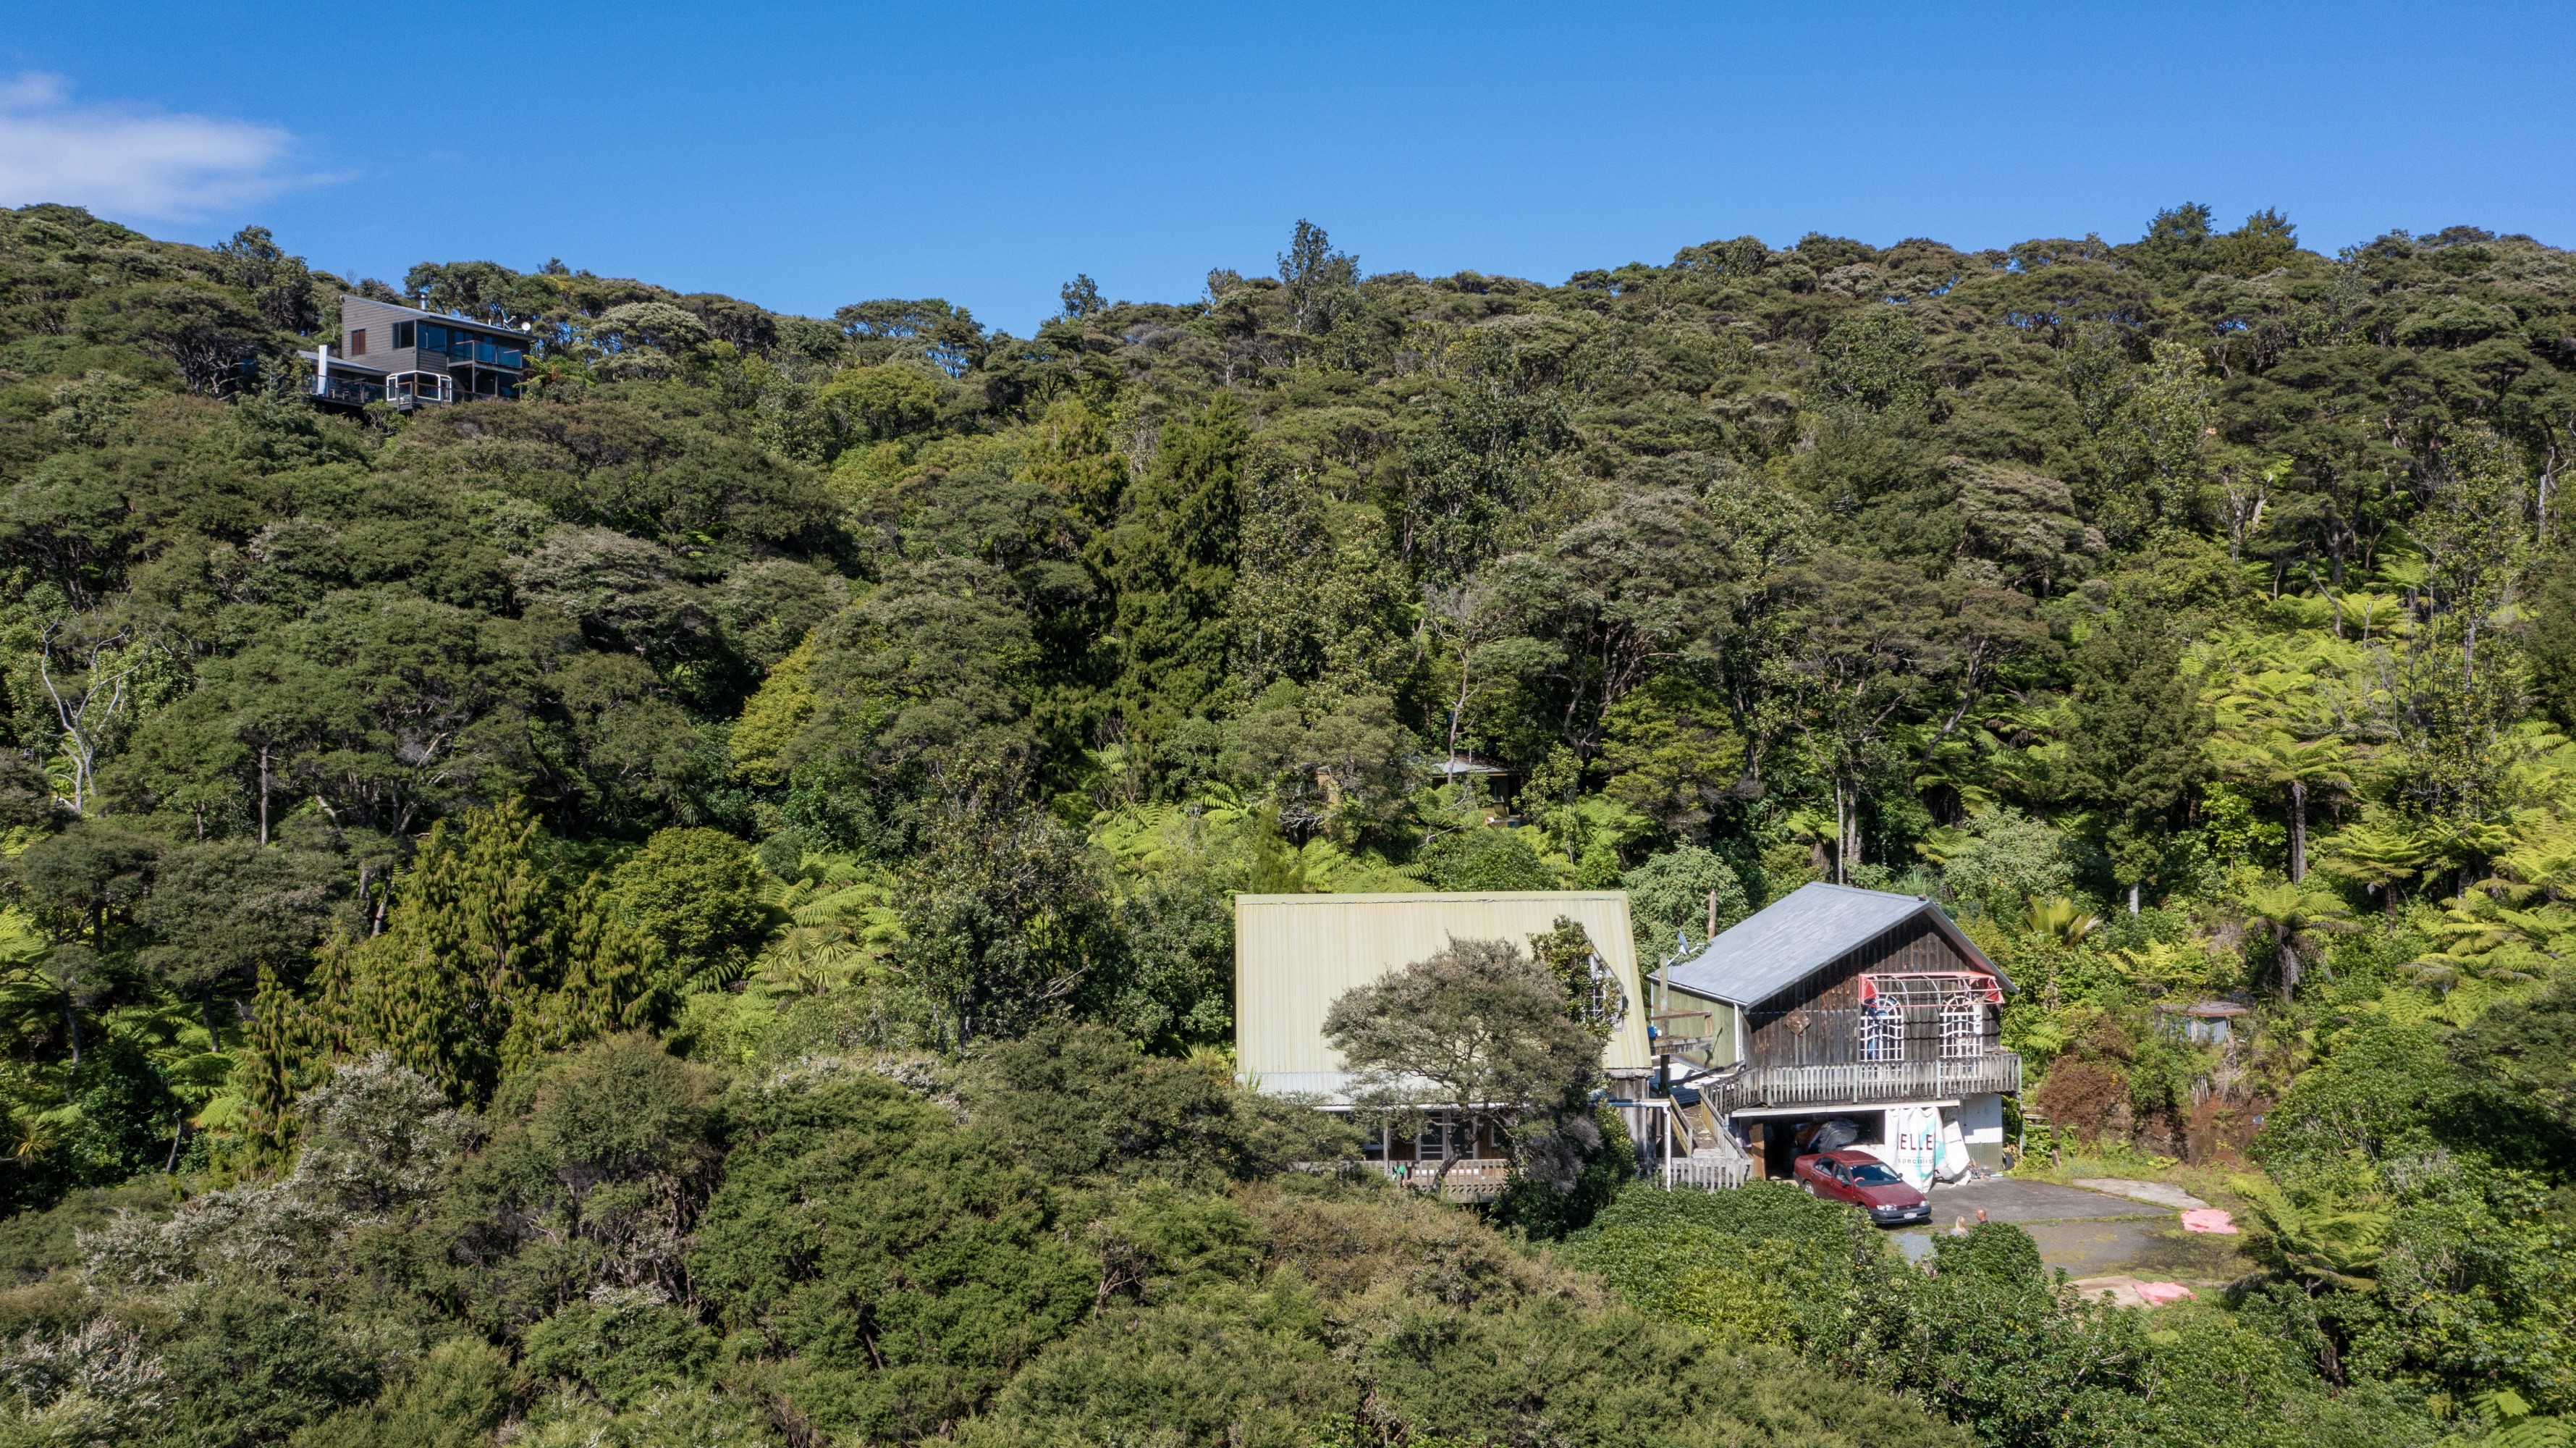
1817 1021
1831 975
408 356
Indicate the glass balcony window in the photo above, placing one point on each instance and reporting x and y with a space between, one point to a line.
482 349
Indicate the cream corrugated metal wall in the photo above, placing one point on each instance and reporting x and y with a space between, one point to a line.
1295 954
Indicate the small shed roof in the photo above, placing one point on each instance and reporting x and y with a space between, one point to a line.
340 363
1295 954
1801 933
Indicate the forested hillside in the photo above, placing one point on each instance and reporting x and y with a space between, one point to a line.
694 907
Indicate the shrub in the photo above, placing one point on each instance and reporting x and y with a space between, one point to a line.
378 1139
887 1271
698 892
249 1365
2085 1097
455 1398
1997 1251
1484 859
1686 1255
1083 1101
622 1343
1669 894
598 1168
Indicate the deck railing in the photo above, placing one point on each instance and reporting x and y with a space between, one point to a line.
1483 1181
1480 1179
349 391
1709 1173
1863 1081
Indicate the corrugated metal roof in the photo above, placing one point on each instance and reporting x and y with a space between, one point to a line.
1801 933
1295 954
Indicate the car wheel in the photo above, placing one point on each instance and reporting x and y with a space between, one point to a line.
1810 1186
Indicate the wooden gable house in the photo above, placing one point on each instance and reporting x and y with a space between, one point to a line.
1835 1002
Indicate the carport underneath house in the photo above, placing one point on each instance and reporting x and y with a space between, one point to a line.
1841 1003
1918 1138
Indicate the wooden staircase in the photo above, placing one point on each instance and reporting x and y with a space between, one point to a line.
1717 1162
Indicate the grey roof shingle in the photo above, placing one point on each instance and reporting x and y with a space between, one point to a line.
1795 936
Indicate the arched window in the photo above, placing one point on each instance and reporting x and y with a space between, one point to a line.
1963 1027
1882 1032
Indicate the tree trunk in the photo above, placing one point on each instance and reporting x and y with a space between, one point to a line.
2298 831
2289 961
1846 848
263 794
1842 837
1448 1155
2133 897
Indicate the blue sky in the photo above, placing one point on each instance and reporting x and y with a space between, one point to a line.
803 156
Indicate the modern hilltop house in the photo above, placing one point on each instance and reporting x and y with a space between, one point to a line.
1840 1004
406 356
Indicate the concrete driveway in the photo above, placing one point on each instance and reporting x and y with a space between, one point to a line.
2005 1200
2090 1234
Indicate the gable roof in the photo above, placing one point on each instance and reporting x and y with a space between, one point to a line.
1803 932
1295 954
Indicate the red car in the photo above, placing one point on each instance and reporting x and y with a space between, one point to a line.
1864 1181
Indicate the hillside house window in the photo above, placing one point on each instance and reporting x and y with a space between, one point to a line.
1963 1029
358 342
403 334
1882 1033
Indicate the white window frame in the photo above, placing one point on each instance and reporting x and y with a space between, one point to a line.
1882 1032
1963 1028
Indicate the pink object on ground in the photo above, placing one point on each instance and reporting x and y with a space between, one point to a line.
2157 1294
2209 1219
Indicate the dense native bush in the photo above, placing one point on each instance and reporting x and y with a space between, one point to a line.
693 906
1980 1332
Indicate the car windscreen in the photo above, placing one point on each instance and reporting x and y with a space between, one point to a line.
1871 1174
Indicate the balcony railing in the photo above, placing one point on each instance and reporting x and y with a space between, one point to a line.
1863 1081
348 391
405 389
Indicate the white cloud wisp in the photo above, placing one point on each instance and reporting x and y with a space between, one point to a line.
119 161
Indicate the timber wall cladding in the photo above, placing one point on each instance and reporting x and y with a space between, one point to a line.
1817 1022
